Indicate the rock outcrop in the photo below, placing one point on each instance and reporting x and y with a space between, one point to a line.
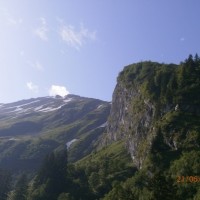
131 118
149 97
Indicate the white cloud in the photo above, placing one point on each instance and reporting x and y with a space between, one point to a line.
58 90
42 30
31 86
37 65
76 38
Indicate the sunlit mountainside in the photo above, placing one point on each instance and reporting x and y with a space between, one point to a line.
30 129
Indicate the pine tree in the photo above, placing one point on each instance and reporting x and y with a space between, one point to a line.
52 177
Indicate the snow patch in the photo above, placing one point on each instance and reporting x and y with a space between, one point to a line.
68 144
99 107
18 107
103 125
13 139
38 108
28 103
67 100
50 109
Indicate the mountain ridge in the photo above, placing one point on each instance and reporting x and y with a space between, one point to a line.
33 127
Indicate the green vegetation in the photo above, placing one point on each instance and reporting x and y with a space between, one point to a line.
109 174
174 91
90 178
166 83
28 138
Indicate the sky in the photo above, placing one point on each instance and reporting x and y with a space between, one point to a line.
50 47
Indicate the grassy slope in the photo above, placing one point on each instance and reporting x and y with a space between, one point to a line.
25 151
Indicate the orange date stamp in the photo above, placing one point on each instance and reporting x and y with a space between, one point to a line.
188 179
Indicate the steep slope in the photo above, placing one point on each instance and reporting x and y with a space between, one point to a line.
156 110
29 129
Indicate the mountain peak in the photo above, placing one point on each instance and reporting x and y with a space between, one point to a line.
58 97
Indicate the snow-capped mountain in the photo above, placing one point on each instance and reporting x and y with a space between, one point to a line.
31 128
41 104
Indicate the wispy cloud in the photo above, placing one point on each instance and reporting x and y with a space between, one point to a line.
58 90
182 39
37 65
42 30
9 18
76 38
33 87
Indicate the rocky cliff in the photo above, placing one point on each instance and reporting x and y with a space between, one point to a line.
150 98
131 119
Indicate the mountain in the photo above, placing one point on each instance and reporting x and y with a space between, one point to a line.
32 128
151 98
149 148
156 112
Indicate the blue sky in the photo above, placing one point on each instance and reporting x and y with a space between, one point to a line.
50 47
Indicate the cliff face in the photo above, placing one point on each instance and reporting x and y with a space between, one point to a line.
150 98
131 118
